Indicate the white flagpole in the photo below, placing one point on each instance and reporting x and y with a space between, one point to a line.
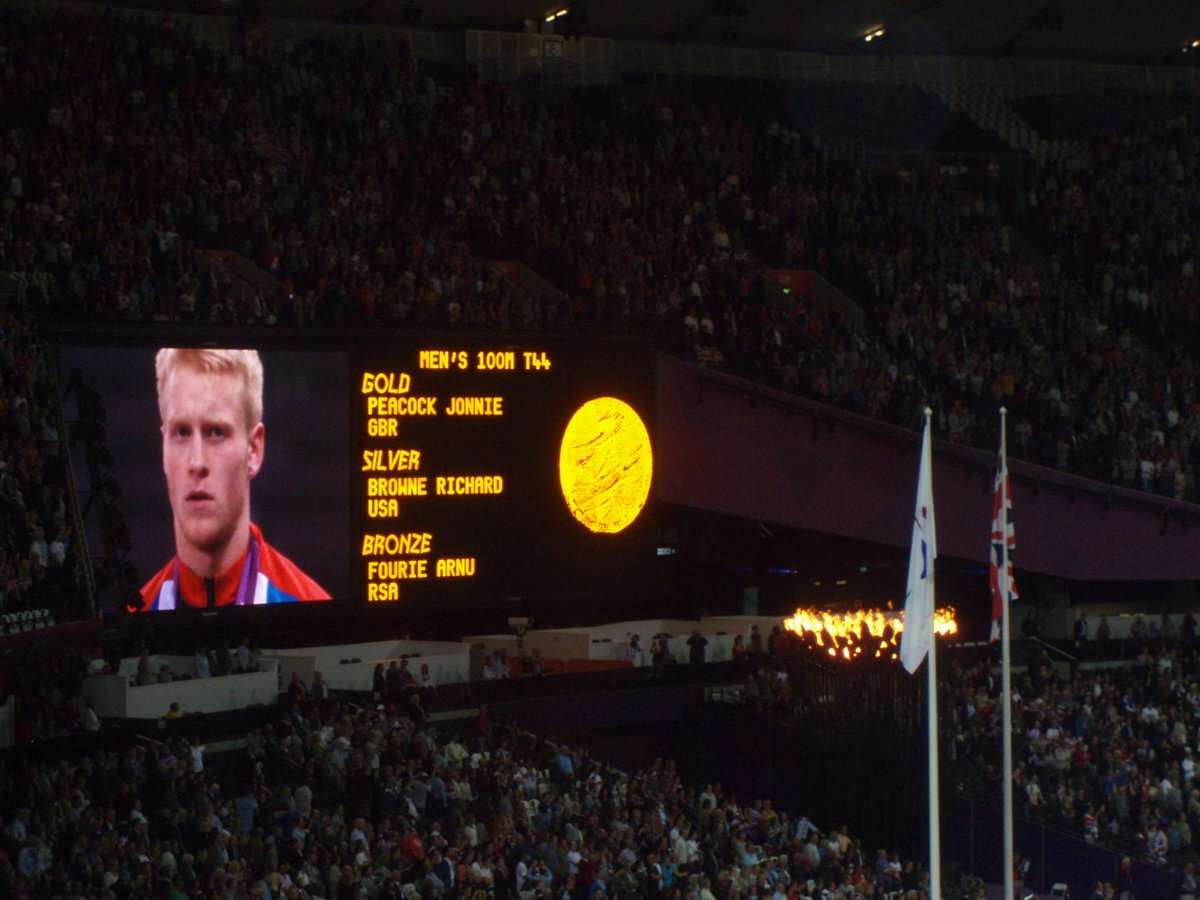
935 828
1005 660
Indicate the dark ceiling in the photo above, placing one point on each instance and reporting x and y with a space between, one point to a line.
1130 31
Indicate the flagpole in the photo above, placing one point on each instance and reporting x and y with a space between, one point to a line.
1002 583
935 842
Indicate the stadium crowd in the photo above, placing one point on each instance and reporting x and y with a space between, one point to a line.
1105 747
366 189
1108 753
331 799
37 544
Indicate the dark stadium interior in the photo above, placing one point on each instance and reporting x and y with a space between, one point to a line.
595 342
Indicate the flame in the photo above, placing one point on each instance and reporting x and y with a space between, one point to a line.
848 633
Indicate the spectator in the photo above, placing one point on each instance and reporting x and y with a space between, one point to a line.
245 658
393 679
660 651
202 664
1029 625
224 659
756 641
320 690
88 720
634 652
297 689
195 754
696 647
1081 631
144 675
739 650
476 660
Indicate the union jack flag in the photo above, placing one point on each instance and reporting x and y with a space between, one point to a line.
1004 542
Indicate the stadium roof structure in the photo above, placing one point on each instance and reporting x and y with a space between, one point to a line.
1116 31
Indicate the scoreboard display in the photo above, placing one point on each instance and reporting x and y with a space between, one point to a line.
500 468
420 470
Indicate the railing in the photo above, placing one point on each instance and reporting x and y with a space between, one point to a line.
1051 648
545 70
1011 77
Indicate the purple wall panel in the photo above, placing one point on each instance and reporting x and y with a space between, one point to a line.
839 473
972 833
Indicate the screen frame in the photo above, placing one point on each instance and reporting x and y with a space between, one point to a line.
362 347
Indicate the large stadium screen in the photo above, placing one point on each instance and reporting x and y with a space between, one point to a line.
417 471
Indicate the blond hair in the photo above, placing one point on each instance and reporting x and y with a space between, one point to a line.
244 364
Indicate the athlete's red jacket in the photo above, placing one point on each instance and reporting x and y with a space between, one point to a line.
262 575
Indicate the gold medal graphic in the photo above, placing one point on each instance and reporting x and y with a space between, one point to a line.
605 465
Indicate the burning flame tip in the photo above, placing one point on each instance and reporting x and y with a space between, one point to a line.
848 631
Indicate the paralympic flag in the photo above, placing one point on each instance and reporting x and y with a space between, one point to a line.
917 637
1004 542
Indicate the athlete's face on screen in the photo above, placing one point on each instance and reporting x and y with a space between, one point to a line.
210 455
